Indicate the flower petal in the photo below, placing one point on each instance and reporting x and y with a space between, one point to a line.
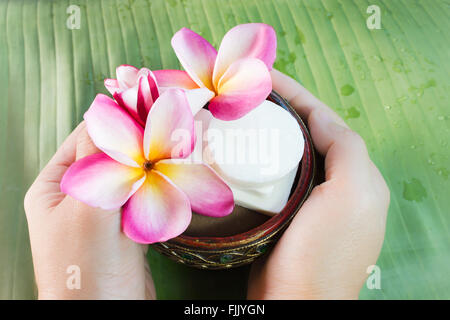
157 212
127 76
112 85
114 131
153 86
196 55
151 79
100 181
174 79
251 40
169 132
198 98
244 86
128 99
207 192
147 94
138 98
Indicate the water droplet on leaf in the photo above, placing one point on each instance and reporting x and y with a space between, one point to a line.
414 190
347 90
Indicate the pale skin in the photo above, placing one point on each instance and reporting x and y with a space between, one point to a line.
324 253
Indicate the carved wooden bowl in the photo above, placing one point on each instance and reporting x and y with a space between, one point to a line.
221 252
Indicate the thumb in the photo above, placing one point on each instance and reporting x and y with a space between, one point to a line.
85 146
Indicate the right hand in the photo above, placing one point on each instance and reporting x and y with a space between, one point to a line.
339 230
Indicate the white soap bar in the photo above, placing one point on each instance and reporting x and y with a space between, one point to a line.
257 149
269 202
270 194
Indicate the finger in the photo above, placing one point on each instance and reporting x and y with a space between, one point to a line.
62 159
65 155
344 150
303 101
45 188
85 146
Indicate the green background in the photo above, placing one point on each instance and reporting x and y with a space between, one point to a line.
391 85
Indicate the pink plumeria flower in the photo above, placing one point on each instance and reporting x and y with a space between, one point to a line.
237 75
138 170
135 90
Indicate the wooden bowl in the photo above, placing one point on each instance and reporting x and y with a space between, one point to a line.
243 248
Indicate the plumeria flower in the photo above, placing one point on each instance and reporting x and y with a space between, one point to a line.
138 169
237 76
134 89
137 89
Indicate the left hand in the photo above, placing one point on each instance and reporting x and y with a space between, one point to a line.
65 232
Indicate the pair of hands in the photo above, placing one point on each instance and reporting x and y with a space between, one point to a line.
324 253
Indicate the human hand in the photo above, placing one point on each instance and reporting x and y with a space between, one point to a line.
339 230
65 232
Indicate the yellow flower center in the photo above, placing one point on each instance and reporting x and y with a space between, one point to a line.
148 165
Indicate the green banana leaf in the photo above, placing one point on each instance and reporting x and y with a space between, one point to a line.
390 84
